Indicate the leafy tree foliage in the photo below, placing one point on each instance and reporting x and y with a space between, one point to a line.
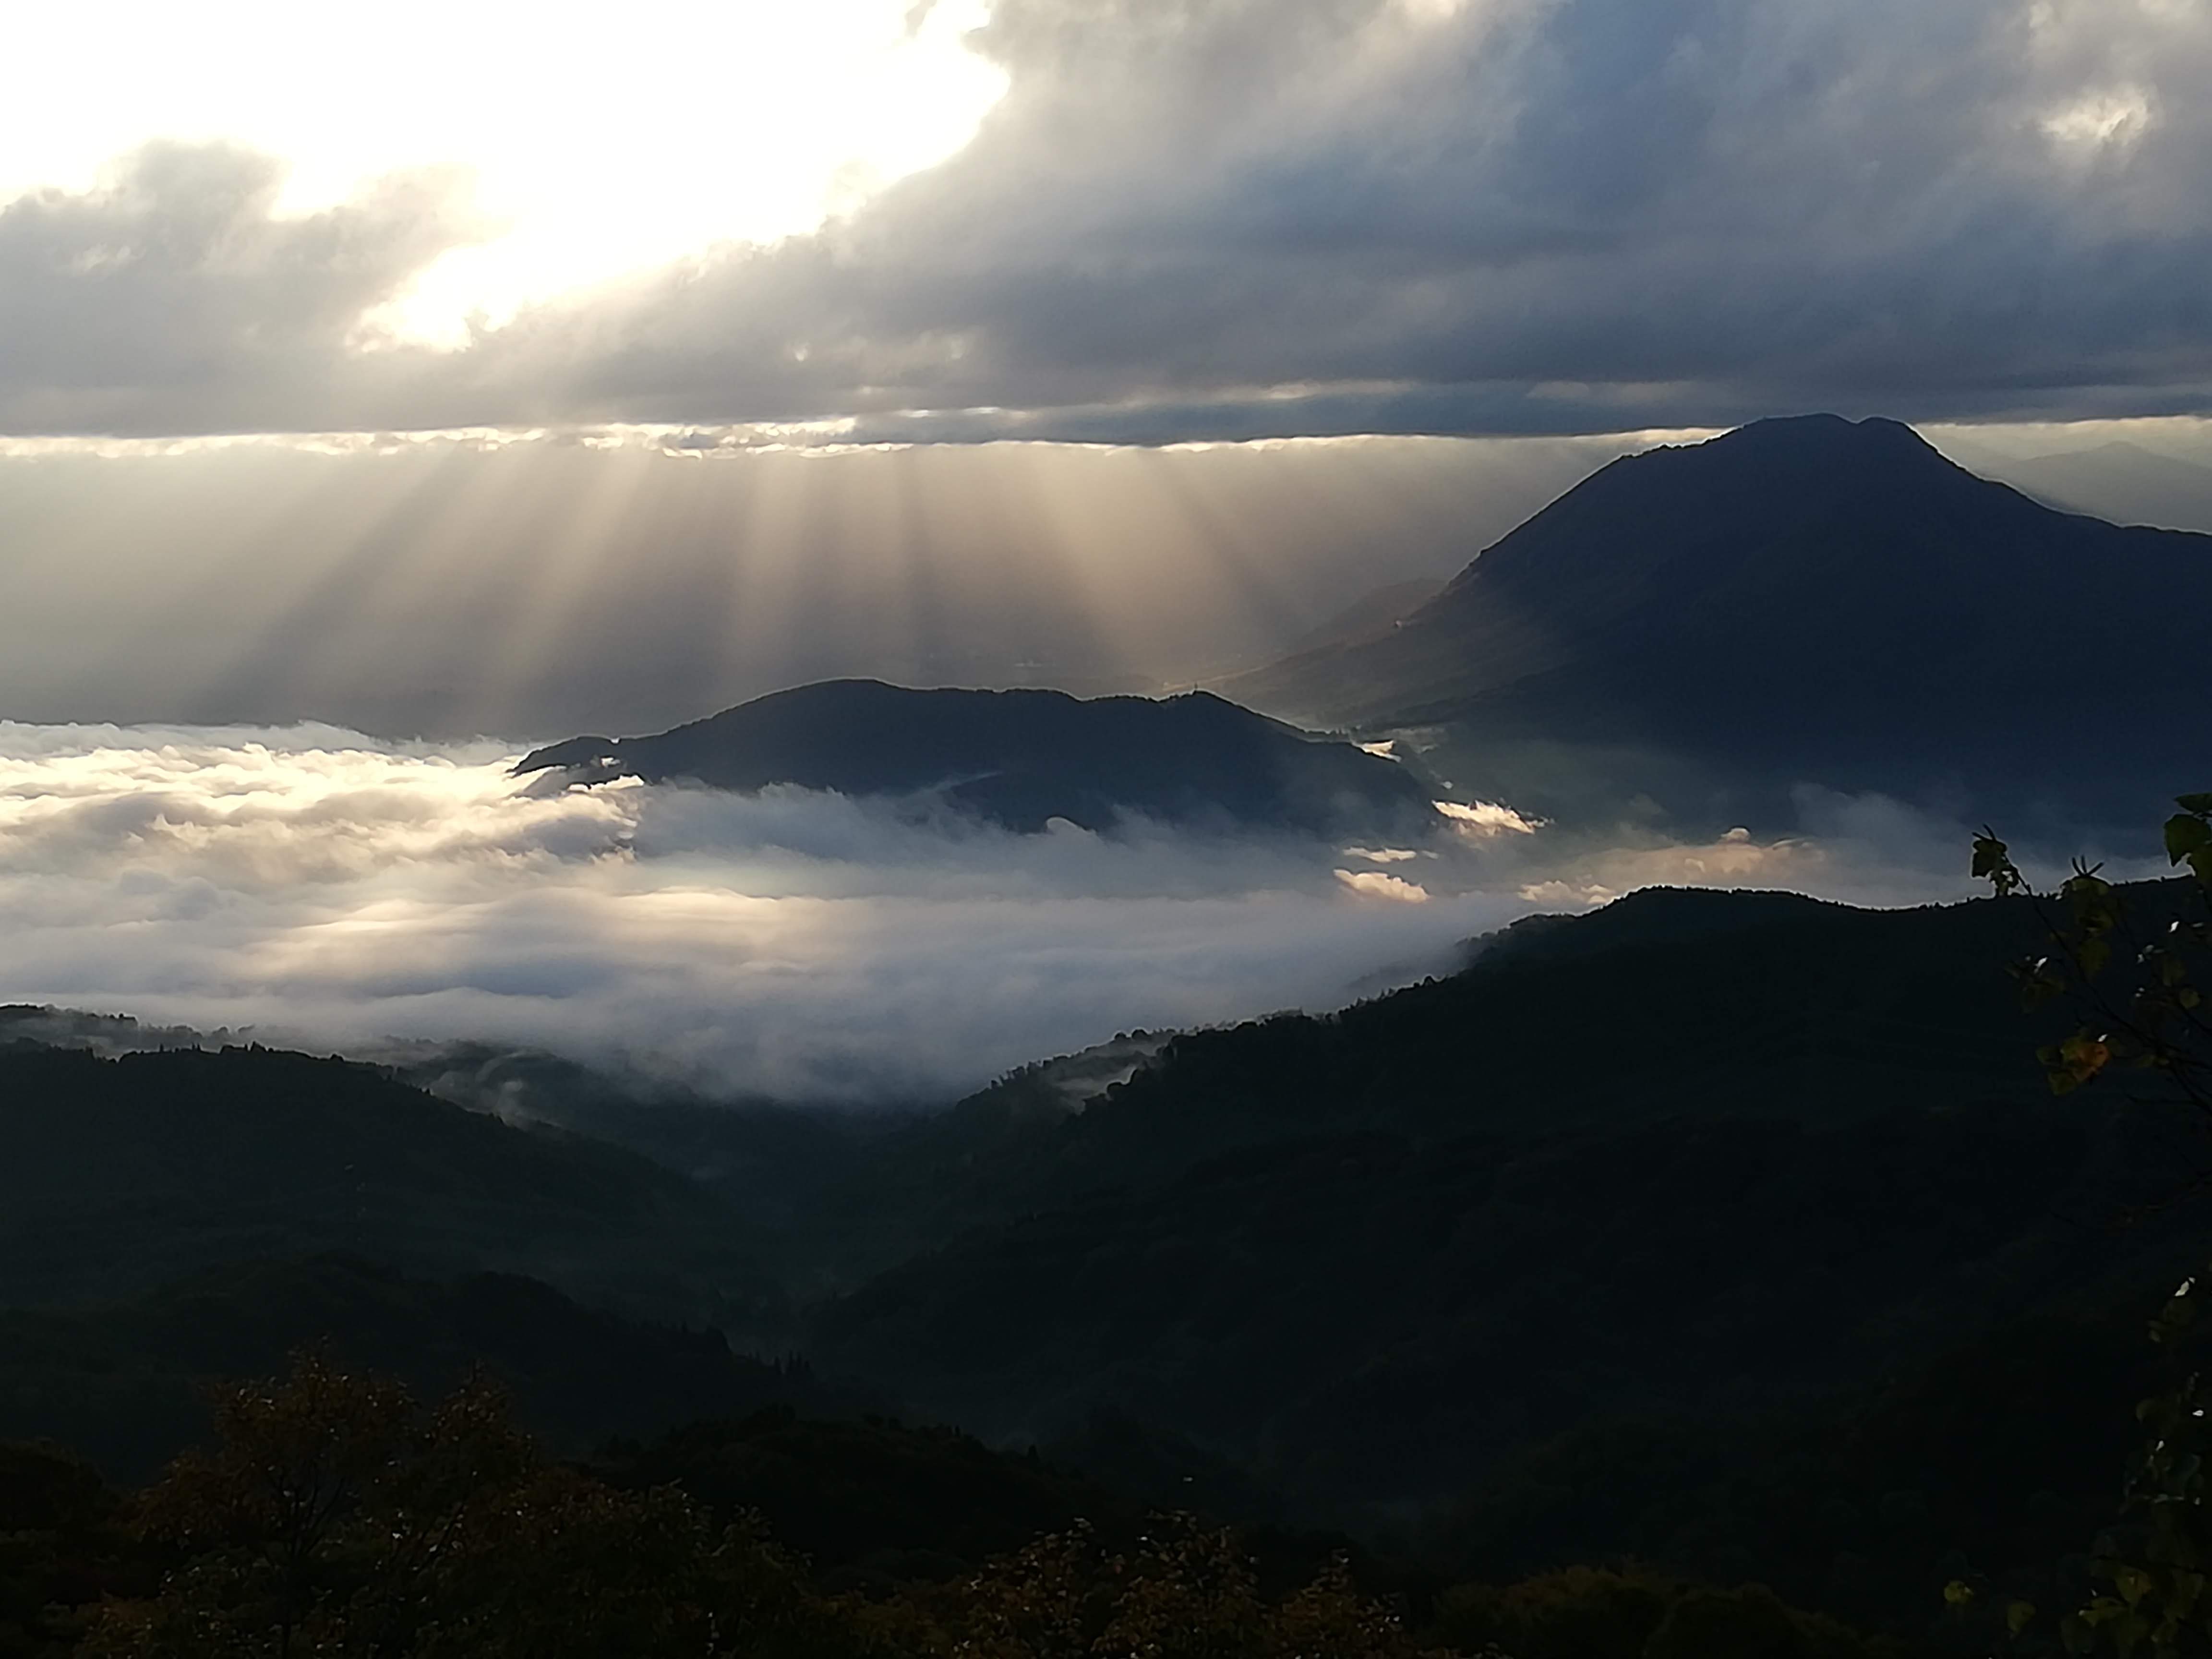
2136 982
337 1516
1185 1592
2135 973
1586 1612
62 1549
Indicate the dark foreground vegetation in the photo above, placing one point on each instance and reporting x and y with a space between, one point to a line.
332 1515
1718 1273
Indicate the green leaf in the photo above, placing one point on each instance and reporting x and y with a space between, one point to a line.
2201 805
2019 1615
2074 1061
2086 889
2185 834
1993 864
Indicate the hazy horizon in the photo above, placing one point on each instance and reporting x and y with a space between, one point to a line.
536 585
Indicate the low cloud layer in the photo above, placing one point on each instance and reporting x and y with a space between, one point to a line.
1220 218
325 890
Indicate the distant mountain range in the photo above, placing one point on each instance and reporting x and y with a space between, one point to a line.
2120 481
117 1176
1810 599
1022 758
1695 629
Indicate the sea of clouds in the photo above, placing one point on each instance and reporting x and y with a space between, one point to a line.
324 889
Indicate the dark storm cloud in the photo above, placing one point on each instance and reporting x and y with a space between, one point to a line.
1234 217
172 297
1597 211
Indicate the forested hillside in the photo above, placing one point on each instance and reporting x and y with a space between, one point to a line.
119 1176
1691 1232
1650 1232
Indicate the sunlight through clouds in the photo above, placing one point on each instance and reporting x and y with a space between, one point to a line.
599 143
2100 121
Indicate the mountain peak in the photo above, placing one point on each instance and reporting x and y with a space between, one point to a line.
1812 597
1835 440
1830 500
1826 446
1827 431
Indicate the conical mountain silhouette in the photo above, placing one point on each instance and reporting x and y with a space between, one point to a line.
1811 594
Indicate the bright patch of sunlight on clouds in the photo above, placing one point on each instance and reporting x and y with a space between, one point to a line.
2112 119
1375 883
1487 817
601 142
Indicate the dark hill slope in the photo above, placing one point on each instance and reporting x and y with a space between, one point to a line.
123 1382
1667 1004
1020 758
117 1176
1833 599
1707 1154
1823 1011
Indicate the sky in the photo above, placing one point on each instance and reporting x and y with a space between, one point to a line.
384 391
531 585
1104 220
532 588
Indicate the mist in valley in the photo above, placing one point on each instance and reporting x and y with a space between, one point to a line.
315 887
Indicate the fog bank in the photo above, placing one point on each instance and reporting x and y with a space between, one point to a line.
328 890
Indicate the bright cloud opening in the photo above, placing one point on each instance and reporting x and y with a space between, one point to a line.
1487 817
2100 121
600 143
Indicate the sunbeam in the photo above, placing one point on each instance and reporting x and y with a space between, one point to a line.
621 582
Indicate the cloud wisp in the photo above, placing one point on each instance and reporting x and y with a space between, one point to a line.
324 889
